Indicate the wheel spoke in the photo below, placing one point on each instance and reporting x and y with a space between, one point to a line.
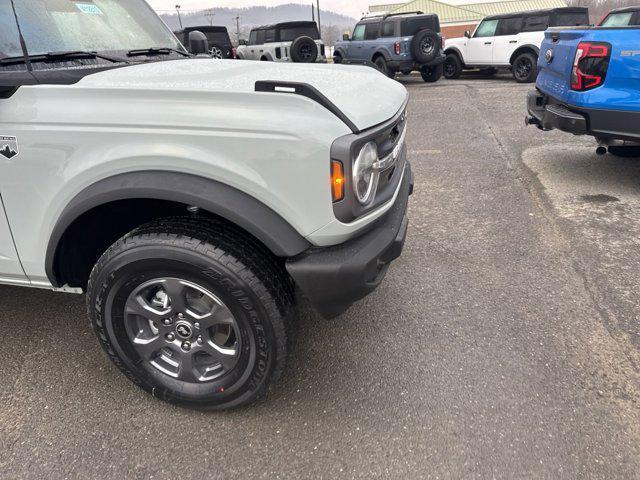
219 315
147 348
139 306
225 356
187 368
176 290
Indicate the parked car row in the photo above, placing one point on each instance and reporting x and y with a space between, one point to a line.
412 41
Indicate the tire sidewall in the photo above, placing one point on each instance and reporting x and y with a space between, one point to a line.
297 45
452 60
123 273
534 69
420 56
432 74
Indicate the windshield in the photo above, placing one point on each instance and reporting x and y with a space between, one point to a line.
88 25
289 34
618 20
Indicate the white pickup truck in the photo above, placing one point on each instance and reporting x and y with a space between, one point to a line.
190 199
510 41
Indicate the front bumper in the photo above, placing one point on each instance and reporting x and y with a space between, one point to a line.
548 113
335 277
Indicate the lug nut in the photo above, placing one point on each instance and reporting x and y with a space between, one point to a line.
186 346
200 341
167 321
181 316
170 337
197 325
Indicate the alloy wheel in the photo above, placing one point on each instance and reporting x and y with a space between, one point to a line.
215 52
182 330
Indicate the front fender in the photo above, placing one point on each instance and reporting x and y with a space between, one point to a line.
210 195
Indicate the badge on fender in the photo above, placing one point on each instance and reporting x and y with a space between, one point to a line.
8 146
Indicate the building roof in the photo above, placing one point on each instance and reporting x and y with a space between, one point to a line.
471 12
513 6
446 13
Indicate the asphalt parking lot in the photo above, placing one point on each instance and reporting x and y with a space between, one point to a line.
504 343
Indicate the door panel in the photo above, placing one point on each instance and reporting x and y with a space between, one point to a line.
479 51
506 40
356 46
10 268
480 47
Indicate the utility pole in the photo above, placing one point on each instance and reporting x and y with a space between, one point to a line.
210 14
319 27
179 19
238 26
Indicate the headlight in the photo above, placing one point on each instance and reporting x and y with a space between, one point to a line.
365 176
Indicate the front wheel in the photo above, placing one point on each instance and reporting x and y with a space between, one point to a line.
192 312
431 74
525 68
452 67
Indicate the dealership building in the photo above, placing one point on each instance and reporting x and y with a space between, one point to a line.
456 16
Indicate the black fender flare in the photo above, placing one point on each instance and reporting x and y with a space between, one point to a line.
340 51
210 195
456 51
523 48
383 52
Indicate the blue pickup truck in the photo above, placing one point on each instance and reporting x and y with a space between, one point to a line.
589 84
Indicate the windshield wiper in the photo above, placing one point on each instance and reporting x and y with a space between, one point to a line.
60 56
155 51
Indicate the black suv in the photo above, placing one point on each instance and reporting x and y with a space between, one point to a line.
218 37
401 42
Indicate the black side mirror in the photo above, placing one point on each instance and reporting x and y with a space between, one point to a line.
345 37
198 43
243 42
467 33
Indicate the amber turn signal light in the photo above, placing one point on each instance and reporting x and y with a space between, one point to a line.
337 180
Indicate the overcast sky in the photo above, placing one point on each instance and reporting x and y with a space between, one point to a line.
353 8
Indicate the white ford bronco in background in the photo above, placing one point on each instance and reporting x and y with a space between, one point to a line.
297 42
511 41
190 199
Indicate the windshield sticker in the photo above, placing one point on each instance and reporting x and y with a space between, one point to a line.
8 146
89 8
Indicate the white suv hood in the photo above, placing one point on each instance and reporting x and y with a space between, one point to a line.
363 94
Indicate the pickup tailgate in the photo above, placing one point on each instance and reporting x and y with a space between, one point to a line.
554 76
621 88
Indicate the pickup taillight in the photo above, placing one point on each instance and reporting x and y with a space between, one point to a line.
397 48
444 40
590 65
233 53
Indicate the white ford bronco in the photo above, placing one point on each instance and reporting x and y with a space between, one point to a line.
297 42
508 41
191 200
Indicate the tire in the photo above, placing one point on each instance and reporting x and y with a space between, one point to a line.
432 74
337 58
452 67
524 68
425 46
234 353
629 151
381 64
304 50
